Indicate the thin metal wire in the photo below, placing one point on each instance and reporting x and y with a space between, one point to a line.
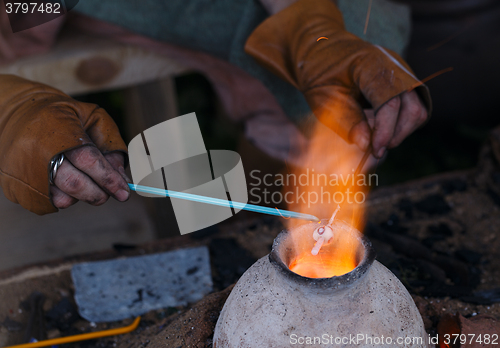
363 160
368 16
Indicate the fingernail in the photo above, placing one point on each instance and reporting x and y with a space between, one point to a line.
381 152
122 195
362 142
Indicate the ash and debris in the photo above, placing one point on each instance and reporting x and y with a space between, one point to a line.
438 235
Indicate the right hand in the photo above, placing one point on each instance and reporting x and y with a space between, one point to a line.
307 45
394 121
37 123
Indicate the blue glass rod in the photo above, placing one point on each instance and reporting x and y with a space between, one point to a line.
223 202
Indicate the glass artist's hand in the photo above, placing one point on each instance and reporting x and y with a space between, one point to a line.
38 124
308 46
87 175
394 121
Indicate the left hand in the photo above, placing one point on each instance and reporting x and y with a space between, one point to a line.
37 123
90 176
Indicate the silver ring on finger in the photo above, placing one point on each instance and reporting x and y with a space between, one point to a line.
55 163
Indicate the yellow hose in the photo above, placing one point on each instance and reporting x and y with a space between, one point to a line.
82 337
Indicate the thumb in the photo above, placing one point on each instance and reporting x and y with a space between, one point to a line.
104 132
361 135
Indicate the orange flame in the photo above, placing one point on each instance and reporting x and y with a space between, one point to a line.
327 179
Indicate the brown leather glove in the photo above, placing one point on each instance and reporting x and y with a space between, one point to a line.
337 75
37 123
